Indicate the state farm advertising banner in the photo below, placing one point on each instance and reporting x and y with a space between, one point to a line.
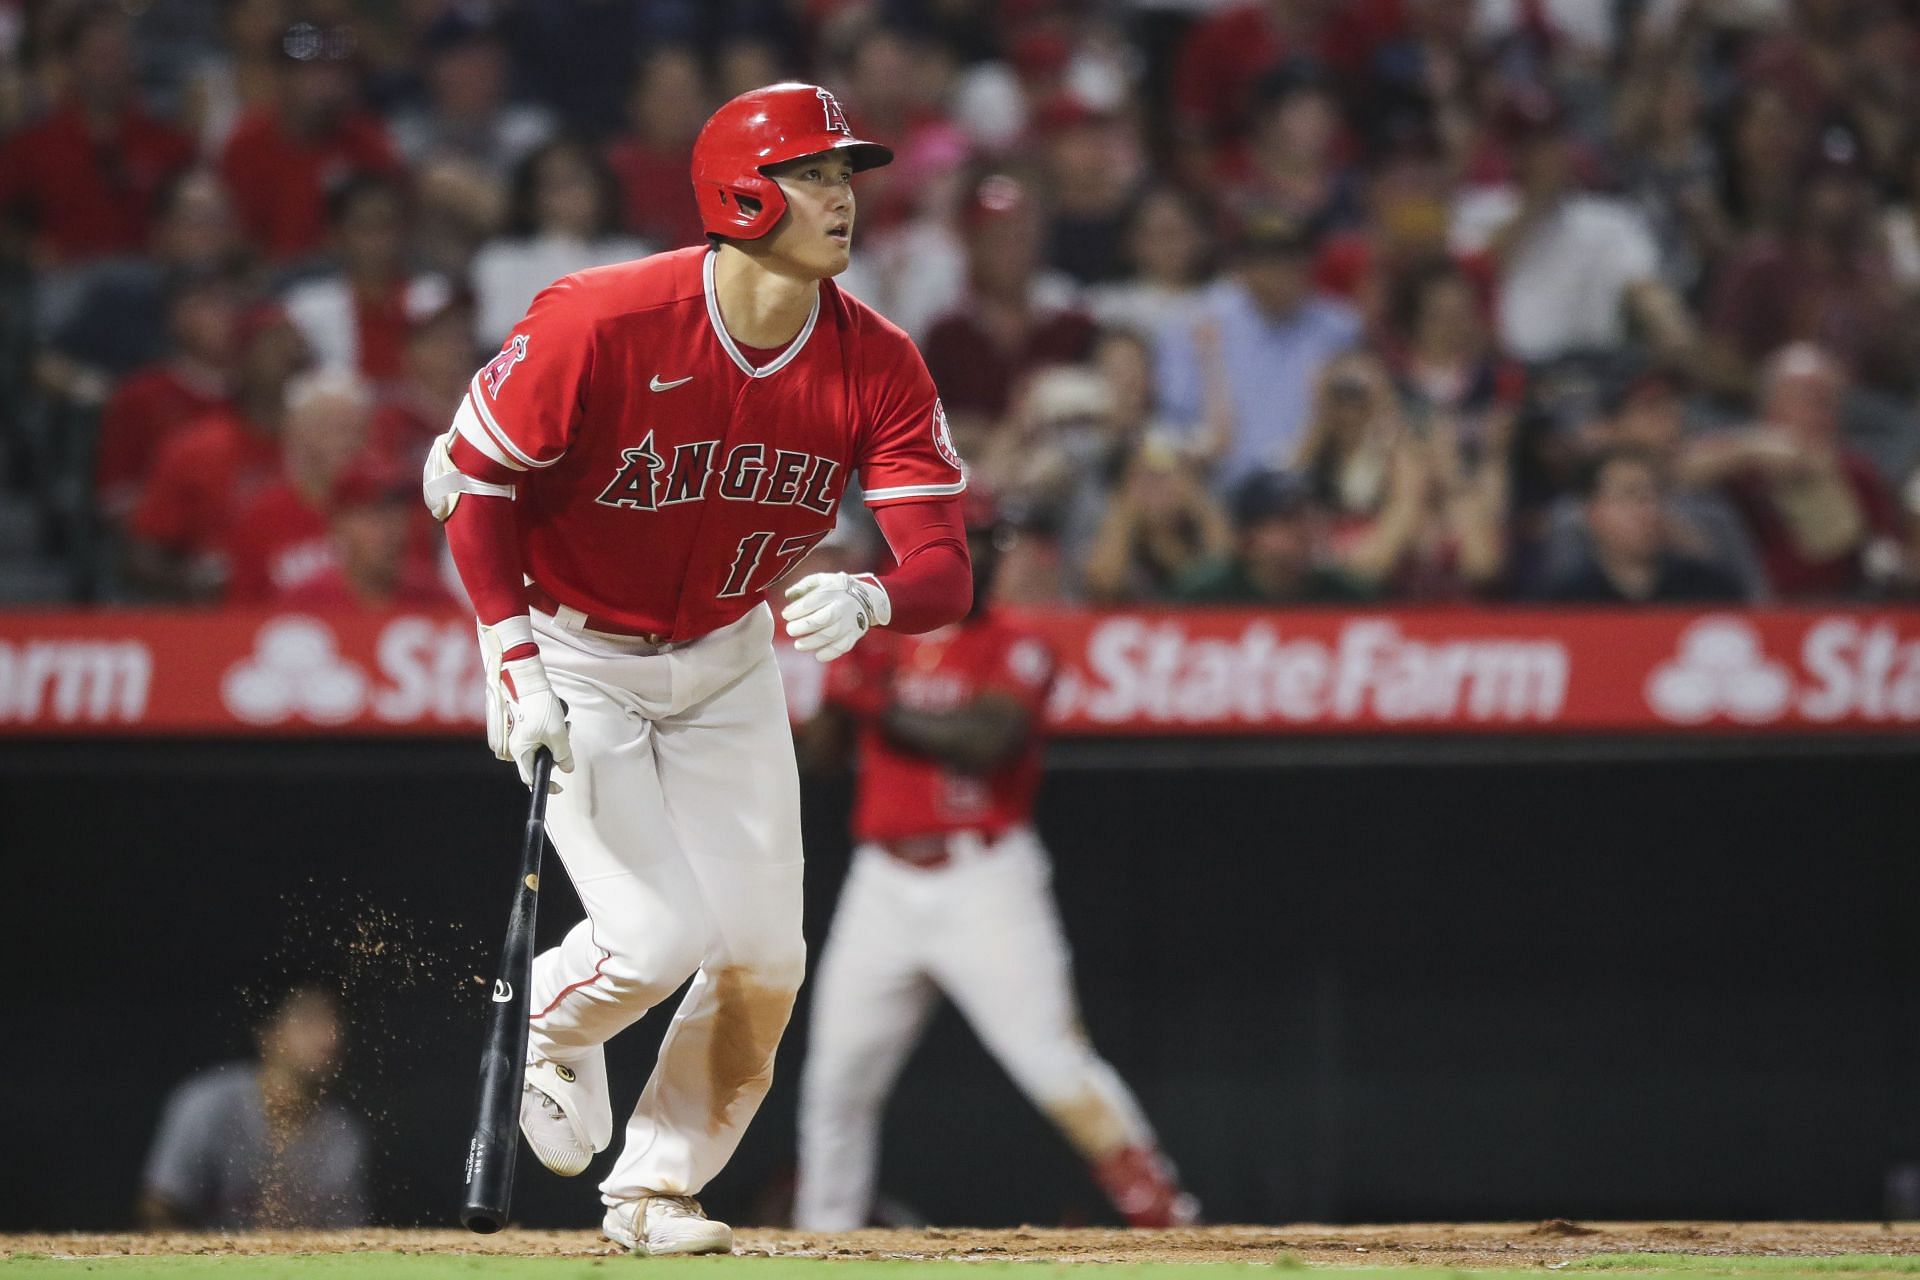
1126 672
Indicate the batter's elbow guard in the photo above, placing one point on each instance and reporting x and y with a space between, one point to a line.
442 483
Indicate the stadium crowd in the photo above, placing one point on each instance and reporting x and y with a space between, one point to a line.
1266 301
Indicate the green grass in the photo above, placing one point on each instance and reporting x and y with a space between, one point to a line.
1745 1265
379 1266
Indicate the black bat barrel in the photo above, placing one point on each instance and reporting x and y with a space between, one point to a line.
496 1130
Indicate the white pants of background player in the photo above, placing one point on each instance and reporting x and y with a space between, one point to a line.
680 828
984 930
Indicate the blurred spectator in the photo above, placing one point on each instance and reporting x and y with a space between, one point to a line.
1446 368
1409 195
1168 260
651 161
284 157
1822 519
746 60
1240 377
116 317
1763 151
376 560
1015 316
279 541
1411 515
84 182
1275 557
1909 582
1808 59
178 533
1901 224
893 83
1576 270
576 55
357 316
240 75
1060 451
260 1144
1630 555
1160 524
441 357
564 218
1428 76
467 113
146 408
1093 168
1645 416
1829 280
1293 163
457 208
1228 53
1672 171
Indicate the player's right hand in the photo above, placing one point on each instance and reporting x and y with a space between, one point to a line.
523 712
532 717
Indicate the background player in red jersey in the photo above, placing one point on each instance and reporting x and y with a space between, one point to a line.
950 892
655 444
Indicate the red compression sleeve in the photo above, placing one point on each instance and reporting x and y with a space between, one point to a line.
484 537
932 584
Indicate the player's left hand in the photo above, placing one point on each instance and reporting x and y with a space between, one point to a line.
829 612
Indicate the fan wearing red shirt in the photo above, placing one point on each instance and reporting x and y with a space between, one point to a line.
178 534
202 320
283 158
657 443
950 892
88 177
281 540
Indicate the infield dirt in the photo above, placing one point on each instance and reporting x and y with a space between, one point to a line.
1529 1245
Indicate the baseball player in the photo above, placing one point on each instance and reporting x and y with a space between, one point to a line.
950 892
656 443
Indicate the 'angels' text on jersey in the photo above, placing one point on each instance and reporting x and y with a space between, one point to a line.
670 476
750 472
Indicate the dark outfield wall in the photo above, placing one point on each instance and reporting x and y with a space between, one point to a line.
1420 990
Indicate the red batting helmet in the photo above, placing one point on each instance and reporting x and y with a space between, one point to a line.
760 128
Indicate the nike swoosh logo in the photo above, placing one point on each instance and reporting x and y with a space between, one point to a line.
658 385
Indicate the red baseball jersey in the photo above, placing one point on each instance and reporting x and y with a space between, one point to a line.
670 476
906 793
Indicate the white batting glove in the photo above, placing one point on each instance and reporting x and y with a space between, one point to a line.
831 611
523 712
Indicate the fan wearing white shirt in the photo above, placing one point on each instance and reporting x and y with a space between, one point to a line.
1577 272
564 218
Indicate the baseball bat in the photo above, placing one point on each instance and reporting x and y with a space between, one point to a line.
496 1127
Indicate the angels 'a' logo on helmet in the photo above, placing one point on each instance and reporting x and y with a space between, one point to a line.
836 118
943 437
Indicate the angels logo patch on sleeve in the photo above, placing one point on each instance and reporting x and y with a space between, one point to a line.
495 374
943 438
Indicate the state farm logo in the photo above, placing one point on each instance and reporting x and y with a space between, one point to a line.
1720 670
77 681
1861 669
421 669
295 670
1158 670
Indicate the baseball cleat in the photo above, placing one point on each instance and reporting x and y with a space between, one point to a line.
656 1225
554 1134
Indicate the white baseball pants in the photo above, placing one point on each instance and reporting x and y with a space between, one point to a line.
680 828
984 930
